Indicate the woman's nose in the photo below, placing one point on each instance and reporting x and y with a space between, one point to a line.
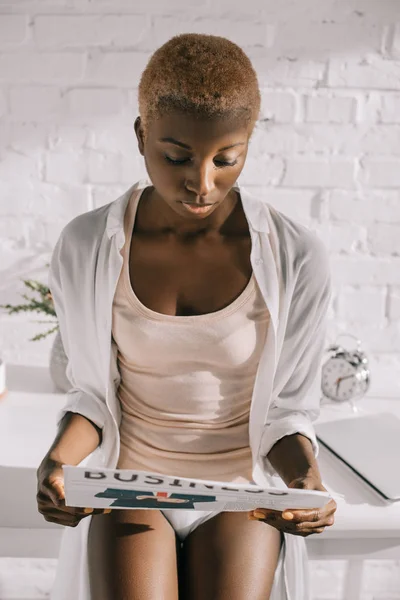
202 182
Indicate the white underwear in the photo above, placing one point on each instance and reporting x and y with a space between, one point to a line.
185 521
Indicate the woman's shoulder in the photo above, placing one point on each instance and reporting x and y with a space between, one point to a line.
299 241
86 227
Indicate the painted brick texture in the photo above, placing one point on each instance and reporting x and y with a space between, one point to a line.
325 151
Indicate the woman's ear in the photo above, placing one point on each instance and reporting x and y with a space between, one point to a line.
139 134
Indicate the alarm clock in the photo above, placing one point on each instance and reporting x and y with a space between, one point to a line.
345 376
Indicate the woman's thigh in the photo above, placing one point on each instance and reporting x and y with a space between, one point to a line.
230 557
132 556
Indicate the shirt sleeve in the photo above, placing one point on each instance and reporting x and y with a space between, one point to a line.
82 397
295 402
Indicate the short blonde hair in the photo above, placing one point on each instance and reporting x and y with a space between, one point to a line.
204 75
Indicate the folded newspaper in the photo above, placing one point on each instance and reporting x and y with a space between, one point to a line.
125 488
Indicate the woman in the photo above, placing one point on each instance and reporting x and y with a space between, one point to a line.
215 305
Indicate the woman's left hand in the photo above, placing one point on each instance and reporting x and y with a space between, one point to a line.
302 522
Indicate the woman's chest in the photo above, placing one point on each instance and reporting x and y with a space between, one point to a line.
189 278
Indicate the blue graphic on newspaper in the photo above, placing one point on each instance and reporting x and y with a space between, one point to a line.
126 488
135 499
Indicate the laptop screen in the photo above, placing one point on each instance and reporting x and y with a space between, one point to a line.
370 446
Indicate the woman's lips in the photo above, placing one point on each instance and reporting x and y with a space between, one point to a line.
197 209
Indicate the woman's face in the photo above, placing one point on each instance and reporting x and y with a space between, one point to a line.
193 161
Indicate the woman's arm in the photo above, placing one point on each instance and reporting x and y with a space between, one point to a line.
289 444
293 457
77 437
295 400
294 460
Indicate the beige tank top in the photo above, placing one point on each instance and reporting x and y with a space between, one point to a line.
186 382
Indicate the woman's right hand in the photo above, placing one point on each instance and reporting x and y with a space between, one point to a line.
51 497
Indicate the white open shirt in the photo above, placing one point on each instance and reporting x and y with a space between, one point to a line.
291 266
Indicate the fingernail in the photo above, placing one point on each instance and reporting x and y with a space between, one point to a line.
87 510
107 510
251 518
288 516
258 514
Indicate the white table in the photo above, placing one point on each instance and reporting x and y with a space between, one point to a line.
27 428
364 527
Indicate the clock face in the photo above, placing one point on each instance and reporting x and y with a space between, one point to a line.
340 380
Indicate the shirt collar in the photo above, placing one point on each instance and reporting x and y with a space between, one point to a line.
256 211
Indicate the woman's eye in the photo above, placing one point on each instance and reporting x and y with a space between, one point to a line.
181 162
174 162
226 164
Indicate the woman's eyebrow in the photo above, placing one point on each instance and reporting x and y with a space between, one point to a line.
177 143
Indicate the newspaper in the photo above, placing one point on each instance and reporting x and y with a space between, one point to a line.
125 488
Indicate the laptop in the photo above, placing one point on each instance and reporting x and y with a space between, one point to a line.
370 446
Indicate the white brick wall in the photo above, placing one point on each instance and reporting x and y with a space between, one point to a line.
326 151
